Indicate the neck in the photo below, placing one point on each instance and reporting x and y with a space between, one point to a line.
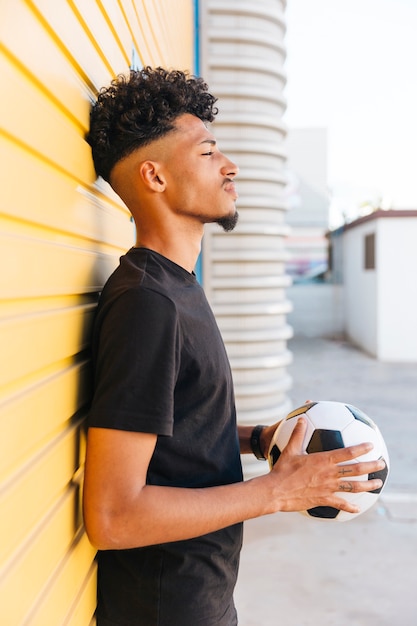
183 250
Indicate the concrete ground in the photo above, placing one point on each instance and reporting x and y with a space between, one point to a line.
296 571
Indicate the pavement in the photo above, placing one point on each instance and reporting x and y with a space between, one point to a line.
296 571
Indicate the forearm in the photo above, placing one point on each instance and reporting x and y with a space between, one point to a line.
165 514
122 511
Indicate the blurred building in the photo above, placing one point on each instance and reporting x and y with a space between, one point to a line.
374 258
308 203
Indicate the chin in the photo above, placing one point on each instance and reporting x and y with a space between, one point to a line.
229 222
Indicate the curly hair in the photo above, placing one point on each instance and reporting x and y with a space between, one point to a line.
135 110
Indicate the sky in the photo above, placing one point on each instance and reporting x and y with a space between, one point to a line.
352 69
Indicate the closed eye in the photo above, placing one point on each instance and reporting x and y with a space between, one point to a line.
209 143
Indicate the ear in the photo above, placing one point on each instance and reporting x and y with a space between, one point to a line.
152 176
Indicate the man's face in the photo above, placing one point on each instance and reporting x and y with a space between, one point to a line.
200 179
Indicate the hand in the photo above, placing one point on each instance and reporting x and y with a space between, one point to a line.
268 432
304 481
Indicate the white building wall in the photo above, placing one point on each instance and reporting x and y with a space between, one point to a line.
360 290
397 301
380 303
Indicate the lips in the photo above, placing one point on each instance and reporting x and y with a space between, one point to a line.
230 188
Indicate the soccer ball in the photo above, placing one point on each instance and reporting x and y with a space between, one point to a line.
334 425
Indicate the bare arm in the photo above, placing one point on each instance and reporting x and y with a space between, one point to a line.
121 511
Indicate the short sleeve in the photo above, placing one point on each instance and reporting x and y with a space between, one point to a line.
136 363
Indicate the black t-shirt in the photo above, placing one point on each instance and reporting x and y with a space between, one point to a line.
161 367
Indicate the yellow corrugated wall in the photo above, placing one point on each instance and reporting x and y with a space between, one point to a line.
61 234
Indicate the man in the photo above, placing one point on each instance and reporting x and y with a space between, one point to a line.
164 498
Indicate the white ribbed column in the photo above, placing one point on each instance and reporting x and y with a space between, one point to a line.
242 60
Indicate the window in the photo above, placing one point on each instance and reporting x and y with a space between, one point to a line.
370 251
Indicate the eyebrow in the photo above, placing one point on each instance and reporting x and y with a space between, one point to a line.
212 142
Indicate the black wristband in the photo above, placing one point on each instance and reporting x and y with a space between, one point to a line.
255 442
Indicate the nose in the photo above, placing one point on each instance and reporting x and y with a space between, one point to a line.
229 169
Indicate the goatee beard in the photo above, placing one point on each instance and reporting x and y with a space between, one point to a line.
228 223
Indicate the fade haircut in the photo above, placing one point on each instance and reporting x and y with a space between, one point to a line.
137 109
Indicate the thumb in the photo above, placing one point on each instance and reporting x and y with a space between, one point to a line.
295 443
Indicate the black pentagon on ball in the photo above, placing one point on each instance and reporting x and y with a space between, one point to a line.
382 475
360 416
327 512
323 440
275 453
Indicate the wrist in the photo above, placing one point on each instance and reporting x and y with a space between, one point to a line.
257 442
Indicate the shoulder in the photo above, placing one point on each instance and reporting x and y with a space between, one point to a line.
148 289
137 280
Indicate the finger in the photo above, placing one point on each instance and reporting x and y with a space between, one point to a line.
345 470
352 452
353 487
358 486
343 505
357 469
295 443
346 486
